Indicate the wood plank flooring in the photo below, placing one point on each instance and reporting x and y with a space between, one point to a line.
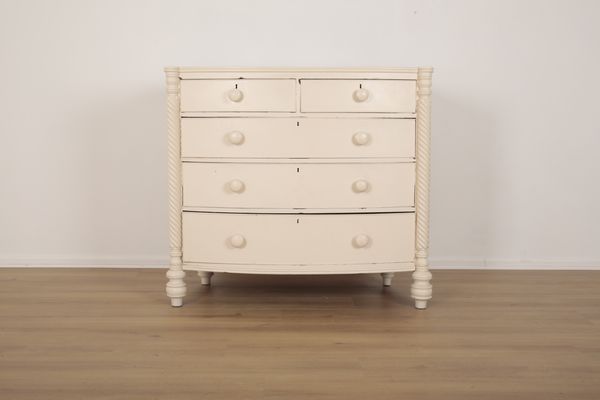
111 334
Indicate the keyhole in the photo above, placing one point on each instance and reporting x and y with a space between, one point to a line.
298 169
236 85
359 85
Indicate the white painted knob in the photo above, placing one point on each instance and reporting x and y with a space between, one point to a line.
236 137
360 95
360 186
238 241
360 241
235 95
361 138
236 186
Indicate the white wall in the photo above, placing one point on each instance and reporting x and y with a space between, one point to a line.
515 143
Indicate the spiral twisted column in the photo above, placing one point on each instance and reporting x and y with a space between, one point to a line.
421 289
176 285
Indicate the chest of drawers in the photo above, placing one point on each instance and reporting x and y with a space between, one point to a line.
298 171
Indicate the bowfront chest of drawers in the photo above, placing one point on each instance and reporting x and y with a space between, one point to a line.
298 171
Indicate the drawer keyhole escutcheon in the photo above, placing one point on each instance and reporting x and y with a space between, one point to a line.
235 95
361 241
236 137
236 186
360 186
238 241
361 138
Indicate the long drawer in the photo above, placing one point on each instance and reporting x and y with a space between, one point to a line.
297 138
298 239
298 186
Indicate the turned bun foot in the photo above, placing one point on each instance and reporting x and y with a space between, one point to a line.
387 278
205 277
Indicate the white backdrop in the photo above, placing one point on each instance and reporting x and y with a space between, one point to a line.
516 137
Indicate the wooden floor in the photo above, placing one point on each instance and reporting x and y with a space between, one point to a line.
110 334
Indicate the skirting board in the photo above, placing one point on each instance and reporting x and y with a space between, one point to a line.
64 261
436 263
515 264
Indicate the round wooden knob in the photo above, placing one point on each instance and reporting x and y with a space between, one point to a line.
361 138
236 186
360 241
360 95
235 95
360 186
235 137
238 241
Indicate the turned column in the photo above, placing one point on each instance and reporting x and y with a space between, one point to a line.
175 274
421 287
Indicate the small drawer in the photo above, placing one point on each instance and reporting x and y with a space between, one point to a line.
298 239
297 138
344 95
298 186
225 95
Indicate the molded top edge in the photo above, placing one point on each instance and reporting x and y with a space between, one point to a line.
299 69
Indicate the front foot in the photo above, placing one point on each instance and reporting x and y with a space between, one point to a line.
205 277
176 301
420 304
176 286
421 286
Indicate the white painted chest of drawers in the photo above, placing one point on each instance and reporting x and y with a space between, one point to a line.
299 171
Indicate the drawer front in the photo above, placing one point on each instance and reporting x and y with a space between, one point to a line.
233 185
225 95
298 239
297 137
341 95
